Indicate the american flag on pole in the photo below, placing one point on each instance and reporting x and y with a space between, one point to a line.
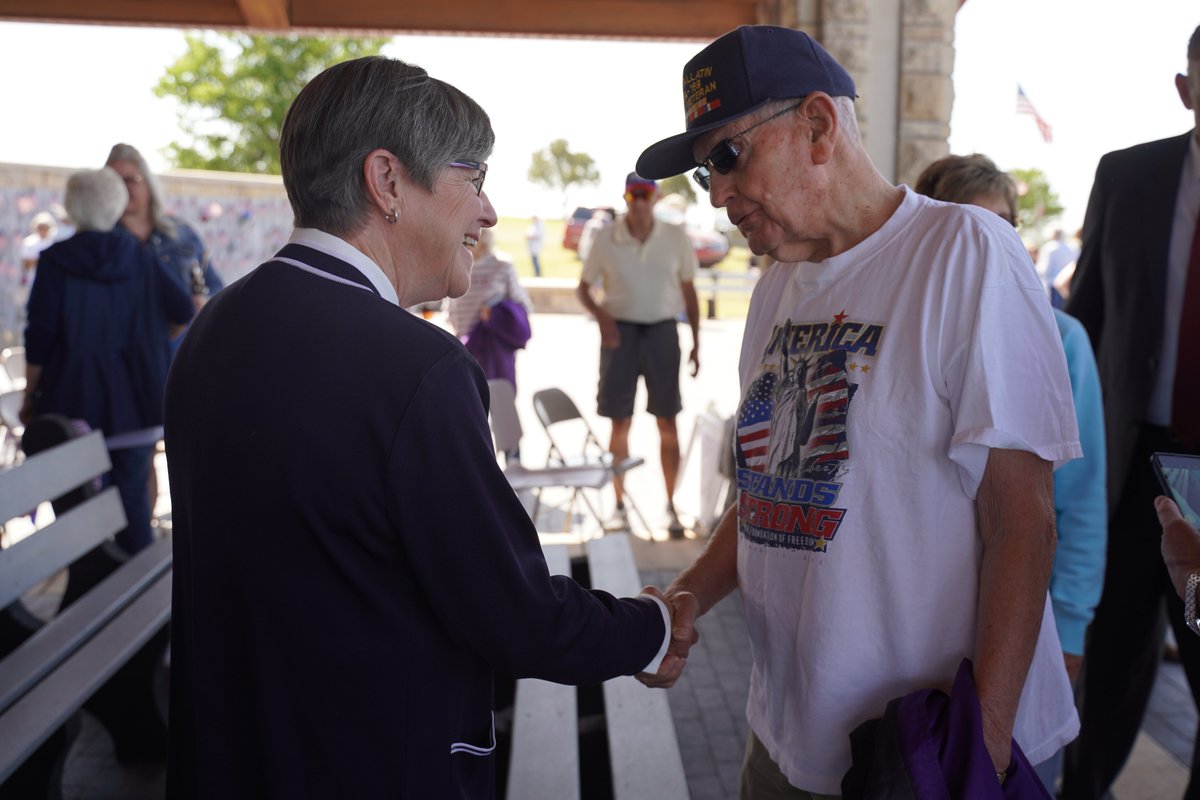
1026 107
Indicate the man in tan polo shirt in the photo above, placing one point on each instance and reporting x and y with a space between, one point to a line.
646 268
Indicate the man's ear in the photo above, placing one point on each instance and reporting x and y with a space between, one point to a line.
1181 83
822 117
385 179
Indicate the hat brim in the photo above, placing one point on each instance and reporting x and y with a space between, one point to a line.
673 155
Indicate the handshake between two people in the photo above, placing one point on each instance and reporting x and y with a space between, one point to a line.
684 608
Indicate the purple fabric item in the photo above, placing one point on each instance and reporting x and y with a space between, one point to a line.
930 747
494 343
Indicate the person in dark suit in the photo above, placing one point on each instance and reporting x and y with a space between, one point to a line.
1137 278
351 565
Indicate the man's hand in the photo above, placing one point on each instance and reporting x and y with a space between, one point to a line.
694 360
684 608
1180 543
610 335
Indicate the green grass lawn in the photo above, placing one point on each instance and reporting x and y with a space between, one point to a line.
558 262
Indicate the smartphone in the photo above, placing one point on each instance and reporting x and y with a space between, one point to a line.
1179 476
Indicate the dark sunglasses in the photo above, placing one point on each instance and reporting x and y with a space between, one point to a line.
477 181
638 194
723 157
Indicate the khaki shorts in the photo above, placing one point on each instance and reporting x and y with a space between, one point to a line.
762 780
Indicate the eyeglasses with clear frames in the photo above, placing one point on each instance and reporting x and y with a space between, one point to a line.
477 181
723 157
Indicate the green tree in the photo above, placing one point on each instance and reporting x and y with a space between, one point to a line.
1037 204
557 168
235 88
680 185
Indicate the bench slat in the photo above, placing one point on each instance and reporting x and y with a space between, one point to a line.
31 720
53 644
51 474
545 742
45 552
642 744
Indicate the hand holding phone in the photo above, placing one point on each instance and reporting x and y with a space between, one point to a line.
1179 476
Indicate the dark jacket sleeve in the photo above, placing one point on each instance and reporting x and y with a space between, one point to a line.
175 298
1086 301
476 552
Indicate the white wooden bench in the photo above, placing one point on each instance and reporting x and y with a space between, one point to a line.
49 676
644 757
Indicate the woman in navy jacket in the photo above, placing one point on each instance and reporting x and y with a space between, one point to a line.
96 342
351 565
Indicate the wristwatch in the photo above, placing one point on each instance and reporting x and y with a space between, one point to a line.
1189 603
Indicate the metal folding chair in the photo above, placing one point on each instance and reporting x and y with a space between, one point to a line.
560 416
507 432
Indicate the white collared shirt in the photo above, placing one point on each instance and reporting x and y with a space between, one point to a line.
339 248
1183 227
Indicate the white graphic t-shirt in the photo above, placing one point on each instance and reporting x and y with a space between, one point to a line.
874 384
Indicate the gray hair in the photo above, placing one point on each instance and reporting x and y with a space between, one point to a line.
158 214
362 105
95 199
847 120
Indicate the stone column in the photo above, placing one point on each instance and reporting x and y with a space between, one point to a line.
926 88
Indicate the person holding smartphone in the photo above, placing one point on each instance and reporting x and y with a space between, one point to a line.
1181 552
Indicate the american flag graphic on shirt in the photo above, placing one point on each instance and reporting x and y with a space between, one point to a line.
754 423
792 447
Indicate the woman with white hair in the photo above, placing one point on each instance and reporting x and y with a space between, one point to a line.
96 342
172 242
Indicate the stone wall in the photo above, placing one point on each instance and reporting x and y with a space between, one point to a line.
906 93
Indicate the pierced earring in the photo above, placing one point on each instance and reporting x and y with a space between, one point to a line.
391 217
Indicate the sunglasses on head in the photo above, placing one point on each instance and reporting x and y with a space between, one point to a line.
723 157
638 193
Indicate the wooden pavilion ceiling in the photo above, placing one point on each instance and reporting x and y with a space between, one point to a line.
655 19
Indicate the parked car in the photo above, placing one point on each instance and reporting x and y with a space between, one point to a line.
574 227
710 246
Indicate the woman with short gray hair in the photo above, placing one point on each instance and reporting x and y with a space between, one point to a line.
96 342
351 564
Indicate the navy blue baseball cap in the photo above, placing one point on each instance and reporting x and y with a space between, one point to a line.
737 74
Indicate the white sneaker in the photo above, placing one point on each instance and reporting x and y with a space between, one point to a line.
674 527
619 521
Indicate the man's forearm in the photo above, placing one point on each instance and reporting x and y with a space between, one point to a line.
1016 524
714 574
691 307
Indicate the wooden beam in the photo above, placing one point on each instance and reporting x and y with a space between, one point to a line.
695 20
176 14
630 19
269 15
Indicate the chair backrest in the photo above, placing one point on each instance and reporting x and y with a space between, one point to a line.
506 424
553 405
555 409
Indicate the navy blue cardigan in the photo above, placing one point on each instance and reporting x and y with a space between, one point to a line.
351 565
97 325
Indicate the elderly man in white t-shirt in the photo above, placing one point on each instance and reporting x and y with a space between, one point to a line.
647 269
905 398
